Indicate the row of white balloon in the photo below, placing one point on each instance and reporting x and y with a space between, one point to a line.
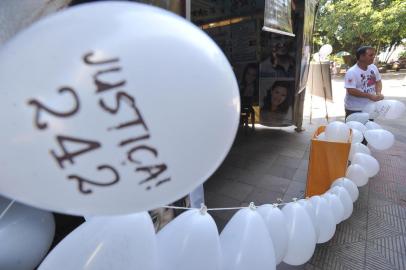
254 238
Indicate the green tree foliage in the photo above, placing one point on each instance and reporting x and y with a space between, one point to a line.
348 24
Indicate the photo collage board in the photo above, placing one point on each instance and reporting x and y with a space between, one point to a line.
264 64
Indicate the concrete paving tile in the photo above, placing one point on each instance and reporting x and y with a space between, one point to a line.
214 182
391 209
267 158
282 171
373 201
380 257
288 197
220 221
247 176
262 196
396 243
300 176
290 162
215 200
347 233
304 164
260 165
296 188
233 173
380 225
235 190
340 257
294 153
273 183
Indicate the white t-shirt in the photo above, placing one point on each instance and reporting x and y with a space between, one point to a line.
362 80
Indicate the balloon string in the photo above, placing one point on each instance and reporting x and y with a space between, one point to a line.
6 209
215 209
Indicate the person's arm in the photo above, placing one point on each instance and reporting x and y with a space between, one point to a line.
357 93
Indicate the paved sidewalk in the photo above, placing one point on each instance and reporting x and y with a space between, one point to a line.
272 164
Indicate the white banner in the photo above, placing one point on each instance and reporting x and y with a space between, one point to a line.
277 17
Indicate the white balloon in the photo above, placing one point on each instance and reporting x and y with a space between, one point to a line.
356 125
322 136
302 236
246 243
324 218
312 214
119 242
369 163
26 234
337 131
325 50
190 241
358 148
370 108
336 206
379 139
349 185
276 224
390 109
357 136
345 198
372 125
113 118
357 174
361 117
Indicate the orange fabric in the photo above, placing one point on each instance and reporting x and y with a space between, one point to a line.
327 162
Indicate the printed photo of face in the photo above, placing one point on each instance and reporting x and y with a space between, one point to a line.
278 96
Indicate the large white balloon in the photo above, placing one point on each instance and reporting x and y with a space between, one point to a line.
276 224
190 241
324 218
349 185
379 139
369 163
109 124
119 242
246 243
361 117
302 236
370 108
356 125
357 174
306 203
26 234
336 206
357 136
345 198
358 148
372 125
390 109
337 131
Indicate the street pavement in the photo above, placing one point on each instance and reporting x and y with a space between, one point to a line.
270 165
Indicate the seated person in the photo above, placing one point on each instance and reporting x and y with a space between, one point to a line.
249 91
